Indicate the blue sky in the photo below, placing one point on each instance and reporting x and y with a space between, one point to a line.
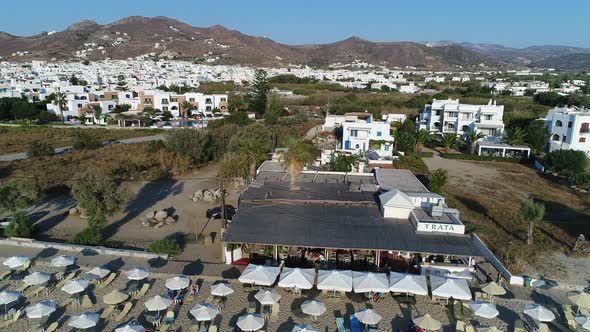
512 23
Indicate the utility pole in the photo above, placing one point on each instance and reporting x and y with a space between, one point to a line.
223 212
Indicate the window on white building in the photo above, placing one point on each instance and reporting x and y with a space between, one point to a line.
354 133
558 123
488 117
585 128
582 139
555 137
378 134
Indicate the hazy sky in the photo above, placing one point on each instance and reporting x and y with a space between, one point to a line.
512 23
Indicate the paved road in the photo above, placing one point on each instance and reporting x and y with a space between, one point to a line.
23 155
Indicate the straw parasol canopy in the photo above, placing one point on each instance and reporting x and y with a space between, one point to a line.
204 312
370 282
130 328
303 328
221 289
84 320
449 287
581 299
115 297
259 275
427 322
158 303
539 312
484 309
267 296
41 309
408 283
63 261
178 282
97 273
313 307
368 316
250 322
493 288
37 278
297 278
583 321
16 261
137 273
335 280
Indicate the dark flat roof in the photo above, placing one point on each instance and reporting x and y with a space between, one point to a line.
310 192
401 179
354 226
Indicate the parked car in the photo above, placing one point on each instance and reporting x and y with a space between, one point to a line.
216 212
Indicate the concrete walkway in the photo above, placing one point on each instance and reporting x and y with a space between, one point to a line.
23 155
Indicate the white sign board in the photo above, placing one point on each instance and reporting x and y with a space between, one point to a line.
440 228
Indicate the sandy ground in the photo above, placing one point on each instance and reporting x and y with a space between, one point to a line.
124 228
394 316
507 185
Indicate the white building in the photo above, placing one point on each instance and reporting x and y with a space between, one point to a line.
569 128
361 133
450 116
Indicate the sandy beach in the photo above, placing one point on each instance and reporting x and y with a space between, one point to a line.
395 316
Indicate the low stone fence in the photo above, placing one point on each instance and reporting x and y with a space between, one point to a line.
30 243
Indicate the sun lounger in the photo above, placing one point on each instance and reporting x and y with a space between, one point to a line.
543 327
355 325
53 327
209 299
213 328
340 324
251 307
86 301
469 328
24 267
105 282
142 291
274 312
107 312
168 322
458 310
5 274
11 321
35 292
519 326
65 302
460 326
23 288
124 312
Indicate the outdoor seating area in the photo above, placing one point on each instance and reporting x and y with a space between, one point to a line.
266 297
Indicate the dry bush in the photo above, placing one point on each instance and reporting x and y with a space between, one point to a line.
174 163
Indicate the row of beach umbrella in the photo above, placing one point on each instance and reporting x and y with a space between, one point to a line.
361 282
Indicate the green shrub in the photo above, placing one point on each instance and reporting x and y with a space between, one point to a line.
167 246
580 179
90 236
462 156
426 154
84 141
412 162
39 149
437 180
19 226
566 161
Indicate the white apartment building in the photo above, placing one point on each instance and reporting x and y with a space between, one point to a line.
360 133
450 116
569 128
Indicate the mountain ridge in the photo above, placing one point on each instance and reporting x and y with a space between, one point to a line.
138 35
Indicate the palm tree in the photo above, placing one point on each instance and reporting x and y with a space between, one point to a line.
472 137
97 110
255 150
185 107
532 213
296 155
423 136
449 141
61 101
514 136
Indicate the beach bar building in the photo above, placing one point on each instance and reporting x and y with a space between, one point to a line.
359 221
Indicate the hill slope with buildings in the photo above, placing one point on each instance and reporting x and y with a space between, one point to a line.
162 36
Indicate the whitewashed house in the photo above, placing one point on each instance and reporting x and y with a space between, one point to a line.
569 128
450 116
360 133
